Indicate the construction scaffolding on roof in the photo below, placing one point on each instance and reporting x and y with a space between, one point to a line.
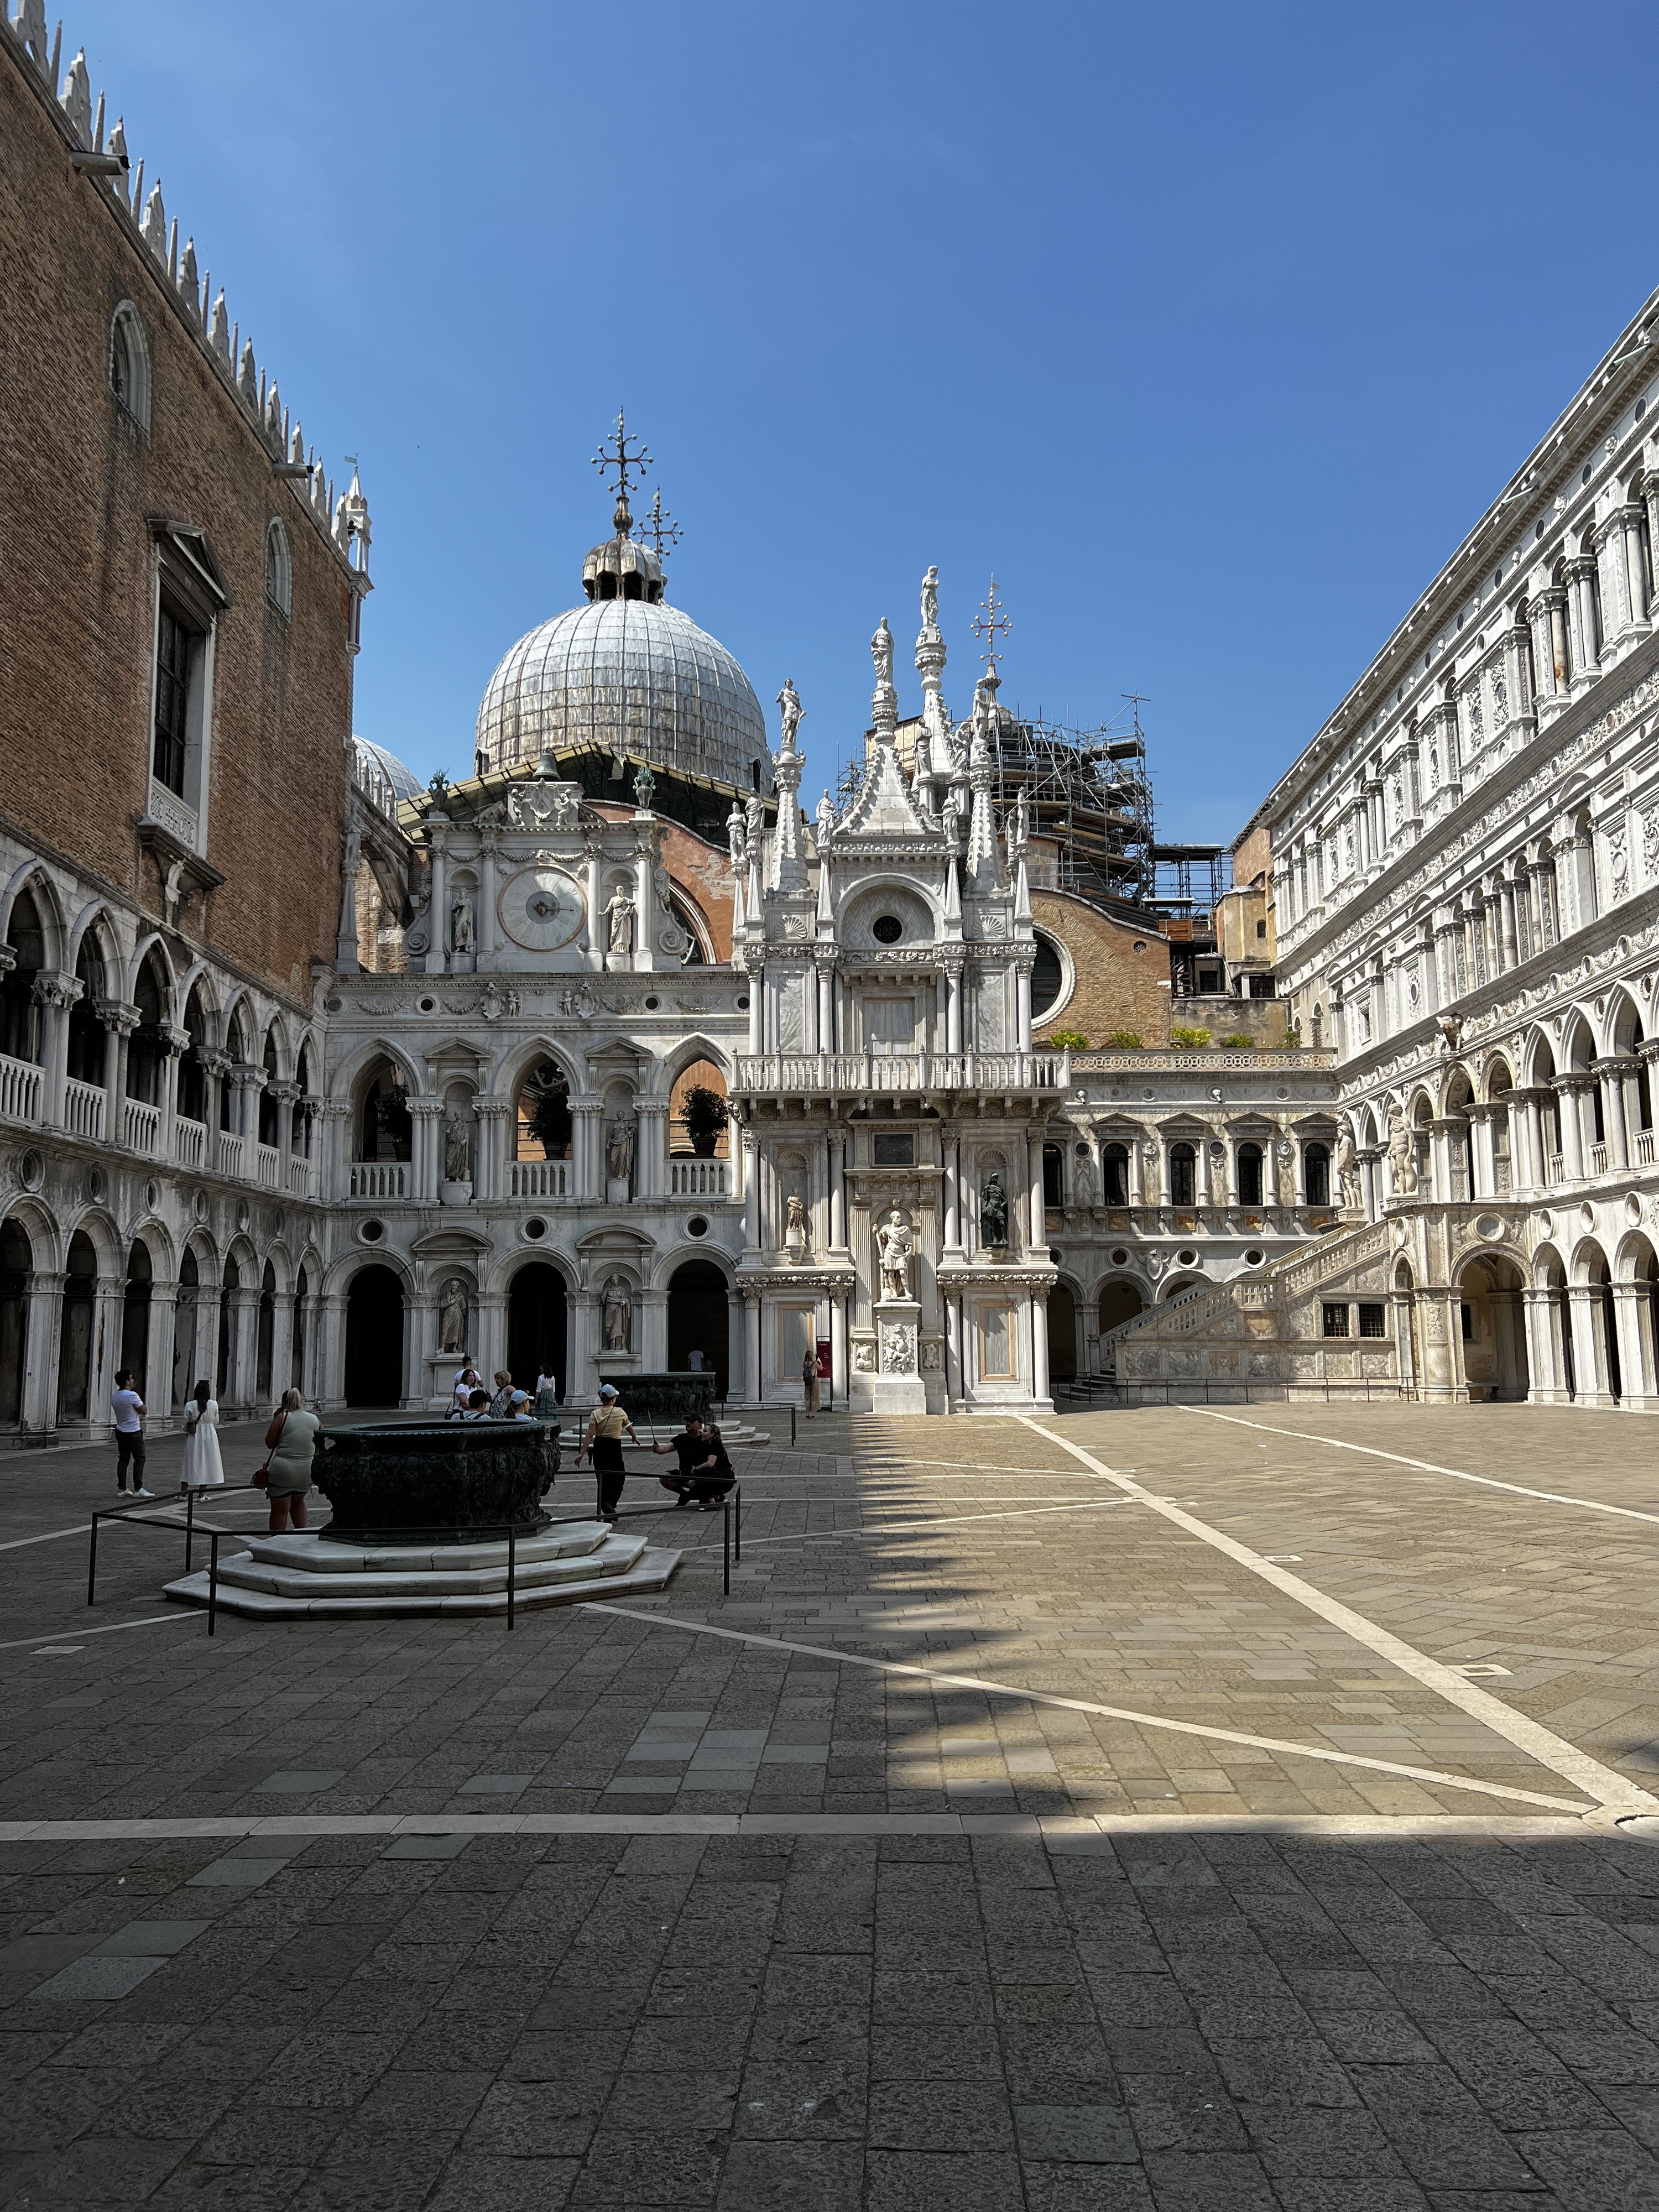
1088 790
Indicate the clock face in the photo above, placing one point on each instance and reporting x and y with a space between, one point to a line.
542 908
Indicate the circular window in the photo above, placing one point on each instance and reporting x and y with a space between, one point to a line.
244 1214
278 1221
1185 1259
1545 1223
1047 977
31 1170
1055 1254
697 1227
1641 409
332 1006
1253 1257
535 1229
1584 474
651 1004
199 1205
887 929
372 1231
1538 533
1489 1226
97 1183
429 1005
743 1005
1120 1259
1082 1152
1140 945
1497 576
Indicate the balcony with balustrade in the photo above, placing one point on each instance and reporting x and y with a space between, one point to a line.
899 1074
539 1179
83 1109
20 1090
379 1180
699 1178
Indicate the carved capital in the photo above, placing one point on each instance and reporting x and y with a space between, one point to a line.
119 1019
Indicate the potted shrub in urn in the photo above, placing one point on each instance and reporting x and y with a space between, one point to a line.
704 1115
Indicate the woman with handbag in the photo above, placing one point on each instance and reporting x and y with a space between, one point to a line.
201 1468
291 1440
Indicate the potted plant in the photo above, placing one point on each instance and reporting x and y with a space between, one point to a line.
703 1112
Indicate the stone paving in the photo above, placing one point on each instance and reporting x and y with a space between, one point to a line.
806 1896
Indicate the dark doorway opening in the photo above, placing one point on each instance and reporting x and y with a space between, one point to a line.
75 1340
1062 1333
535 1324
375 1338
699 1321
135 1318
16 1264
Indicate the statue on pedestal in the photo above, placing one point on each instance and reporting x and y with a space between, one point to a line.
619 1148
457 1149
461 927
451 1316
616 1310
619 921
1402 1155
993 1211
881 651
789 708
1347 1171
894 1246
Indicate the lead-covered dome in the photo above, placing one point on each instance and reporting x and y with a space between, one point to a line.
627 673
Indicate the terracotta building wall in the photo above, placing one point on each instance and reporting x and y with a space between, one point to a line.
701 870
79 485
1121 971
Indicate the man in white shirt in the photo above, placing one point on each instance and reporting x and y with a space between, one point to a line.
128 1408
694 1361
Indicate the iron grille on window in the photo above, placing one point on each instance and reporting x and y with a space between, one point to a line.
1336 1320
1370 1320
172 701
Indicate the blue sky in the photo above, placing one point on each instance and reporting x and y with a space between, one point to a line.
1210 329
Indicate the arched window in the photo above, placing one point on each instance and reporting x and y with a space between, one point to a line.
192 1075
129 363
384 1131
697 1112
271 1119
543 1124
1047 977
87 1042
1316 1166
19 1017
1183 1175
1115 1172
1053 1175
144 1054
279 568
1249 1175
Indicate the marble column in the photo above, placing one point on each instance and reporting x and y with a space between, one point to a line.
108 1313
244 1341
496 1129
42 1345
156 1381
1039 1229
1610 1074
1040 1352
751 1193
489 1334
437 956
427 1116
651 1174
1589 1354
328 1377
838 1349
487 842
1566 1088
1547 1385
1633 1309
751 1347
951 1152
587 1148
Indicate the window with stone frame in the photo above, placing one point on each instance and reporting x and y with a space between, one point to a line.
1372 1318
178 647
1334 1319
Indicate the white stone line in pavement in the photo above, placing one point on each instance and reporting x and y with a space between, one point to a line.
1087 1705
1604 1783
49 1636
1055 1832
1429 1466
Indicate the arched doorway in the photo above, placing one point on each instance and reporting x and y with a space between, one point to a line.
16 1265
535 1324
1119 1302
226 1365
265 1340
698 1320
1494 1333
135 1316
74 1336
375 1338
184 1377
1062 1333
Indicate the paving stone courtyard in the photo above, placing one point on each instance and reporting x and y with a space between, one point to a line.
1168 1810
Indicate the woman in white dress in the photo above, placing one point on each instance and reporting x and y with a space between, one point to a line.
203 1467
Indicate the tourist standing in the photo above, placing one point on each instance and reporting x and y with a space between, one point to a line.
694 1361
201 1468
128 1408
501 1404
809 1383
605 1430
291 1441
547 1393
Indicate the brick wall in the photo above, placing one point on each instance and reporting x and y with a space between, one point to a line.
1121 971
79 483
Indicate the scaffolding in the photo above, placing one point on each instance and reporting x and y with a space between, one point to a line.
1087 790
1185 877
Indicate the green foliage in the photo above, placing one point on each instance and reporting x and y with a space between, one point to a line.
1292 1041
1068 1041
1125 1040
549 1110
1238 1042
1191 1039
704 1113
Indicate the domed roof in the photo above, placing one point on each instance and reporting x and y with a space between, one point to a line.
626 672
380 771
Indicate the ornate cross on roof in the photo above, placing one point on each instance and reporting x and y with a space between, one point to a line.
625 463
662 530
990 623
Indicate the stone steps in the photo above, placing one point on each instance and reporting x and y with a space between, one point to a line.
286 1587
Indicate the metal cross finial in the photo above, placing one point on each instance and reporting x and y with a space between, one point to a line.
990 623
661 529
624 462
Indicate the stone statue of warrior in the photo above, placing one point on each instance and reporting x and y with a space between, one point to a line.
993 1210
895 1245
